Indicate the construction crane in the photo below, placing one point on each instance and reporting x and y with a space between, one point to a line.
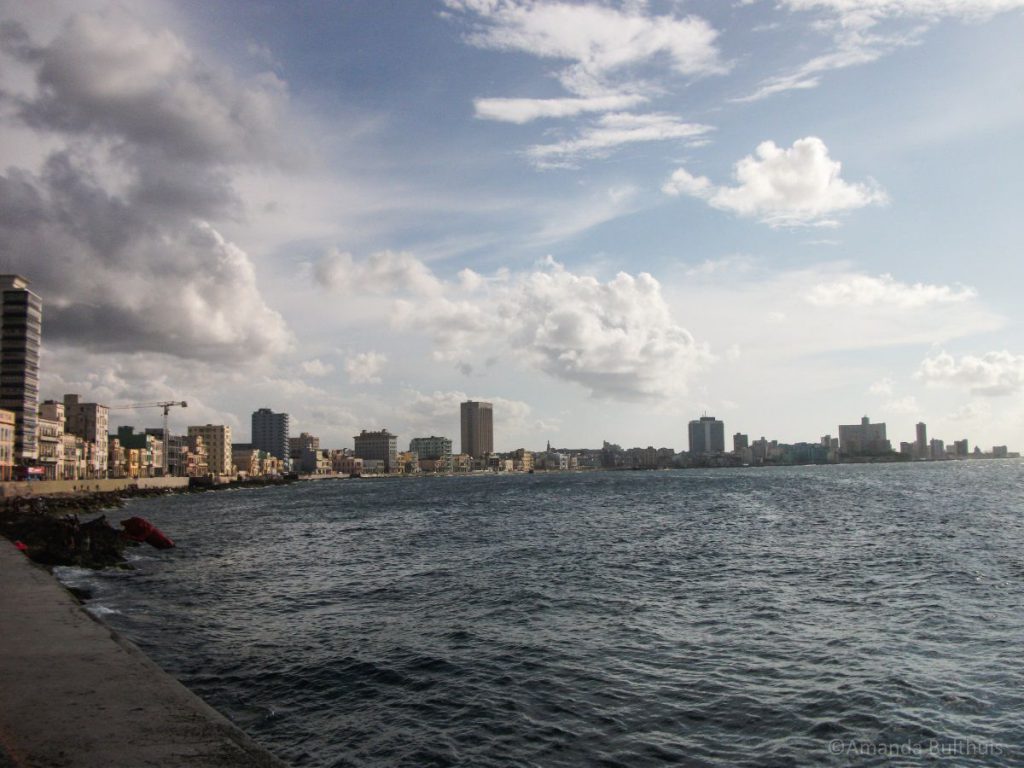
166 405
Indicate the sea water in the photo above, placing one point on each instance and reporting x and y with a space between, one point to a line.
868 615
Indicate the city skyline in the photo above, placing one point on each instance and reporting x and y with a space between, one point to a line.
365 215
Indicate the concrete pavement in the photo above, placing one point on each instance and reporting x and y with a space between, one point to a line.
74 694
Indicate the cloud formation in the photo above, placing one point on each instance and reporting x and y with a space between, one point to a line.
598 40
115 230
864 31
611 131
798 186
383 273
612 58
365 367
868 291
990 374
617 339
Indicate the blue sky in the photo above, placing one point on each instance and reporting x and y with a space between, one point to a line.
607 218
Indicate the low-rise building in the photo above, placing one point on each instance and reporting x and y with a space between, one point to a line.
7 427
50 439
434 448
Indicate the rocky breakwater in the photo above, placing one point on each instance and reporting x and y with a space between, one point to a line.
51 530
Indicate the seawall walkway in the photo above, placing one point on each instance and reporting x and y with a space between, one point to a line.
75 694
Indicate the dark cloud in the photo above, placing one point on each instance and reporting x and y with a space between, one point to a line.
114 230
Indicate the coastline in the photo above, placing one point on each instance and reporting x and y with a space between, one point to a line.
76 693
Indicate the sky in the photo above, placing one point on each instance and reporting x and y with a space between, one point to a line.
607 218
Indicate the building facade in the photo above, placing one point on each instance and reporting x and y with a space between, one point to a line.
7 426
864 439
380 445
51 439
477 428
90 422
21 319
270 432
216 438
433 449
707 436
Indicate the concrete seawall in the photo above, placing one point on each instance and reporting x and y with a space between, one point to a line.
53 487
75 694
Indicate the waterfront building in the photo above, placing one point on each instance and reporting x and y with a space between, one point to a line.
864 439
378 445
437 450
299 445
143 451
462 462
21 319
921 444
216 438
740 442
7 427
270 432
999 452
50 433
961 448
477 428
90 422
707 436
938 449
178 447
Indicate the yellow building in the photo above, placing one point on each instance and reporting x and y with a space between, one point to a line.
6 445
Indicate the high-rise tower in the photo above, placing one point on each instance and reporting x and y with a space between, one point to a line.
477 428
270 432
21 319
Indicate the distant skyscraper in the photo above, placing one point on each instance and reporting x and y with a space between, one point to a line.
740 442
707 435
270 432
477 428
922 440
21 319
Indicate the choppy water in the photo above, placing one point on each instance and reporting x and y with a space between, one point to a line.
726 617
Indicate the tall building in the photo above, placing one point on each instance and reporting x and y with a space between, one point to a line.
21 321
864 439
707 435
89 421
270 432
477 428
378 446
216 438
740 442
921 445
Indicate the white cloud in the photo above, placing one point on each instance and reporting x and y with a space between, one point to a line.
526 110
617 338
991 374
614 130
866 30
969 10
597 39
868 291
882 387
383 273
903 406
317 367
799 186
365 367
